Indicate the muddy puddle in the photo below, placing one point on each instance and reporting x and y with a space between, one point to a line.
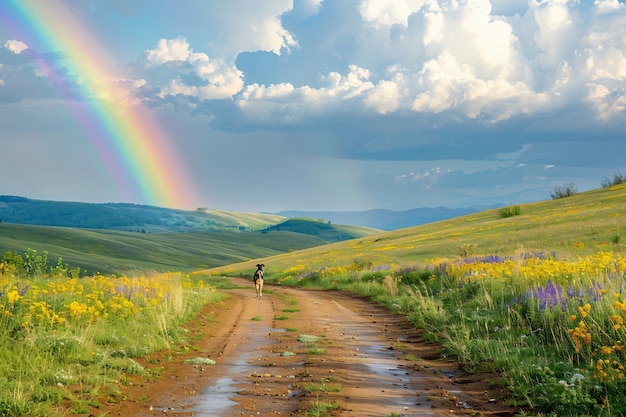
387 383
217 397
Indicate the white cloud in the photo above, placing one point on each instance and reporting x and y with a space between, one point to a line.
306 8
288 104
384 98
607 104
460 59
15 46
471 63
604 44
425 179
483 60
219 79
449 84
532 58
556 31
168 51
250 26
388 12
222 80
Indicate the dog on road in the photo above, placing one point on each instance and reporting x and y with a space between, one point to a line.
258 280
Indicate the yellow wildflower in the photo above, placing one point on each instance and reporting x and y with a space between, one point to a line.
13 296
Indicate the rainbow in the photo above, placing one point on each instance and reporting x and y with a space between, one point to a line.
137 151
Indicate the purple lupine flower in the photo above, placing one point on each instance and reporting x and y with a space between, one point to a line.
381 268
594 292
530 294
570 291
494 259
541 296
550 294
548 297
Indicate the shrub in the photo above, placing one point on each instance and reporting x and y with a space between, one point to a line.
618 178
511 211
416 276
562 191
467 250
32 264
374 276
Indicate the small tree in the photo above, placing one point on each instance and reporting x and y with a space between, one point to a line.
618 178
562 191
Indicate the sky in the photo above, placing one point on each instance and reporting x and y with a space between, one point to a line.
314 105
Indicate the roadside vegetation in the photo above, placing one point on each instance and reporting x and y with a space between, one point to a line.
69 342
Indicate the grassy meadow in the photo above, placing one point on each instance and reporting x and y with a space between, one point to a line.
68 343
533 292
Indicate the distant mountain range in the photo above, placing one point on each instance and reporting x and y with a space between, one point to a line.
134 217
389 219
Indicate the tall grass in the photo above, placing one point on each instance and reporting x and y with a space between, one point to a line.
553 328
75 341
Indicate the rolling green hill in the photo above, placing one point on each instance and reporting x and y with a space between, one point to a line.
579 225
323 230
130 217
110 238
141 218
111 251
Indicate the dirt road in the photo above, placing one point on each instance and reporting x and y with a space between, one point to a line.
366 362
